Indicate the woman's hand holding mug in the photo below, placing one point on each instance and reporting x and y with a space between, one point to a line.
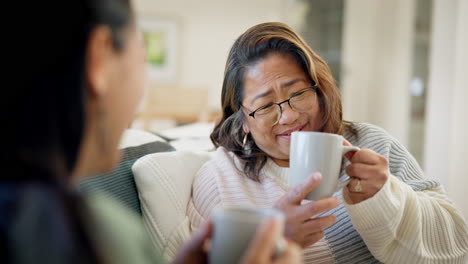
262 248
300 226
369 173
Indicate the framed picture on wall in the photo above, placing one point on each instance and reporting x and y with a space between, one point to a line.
161 43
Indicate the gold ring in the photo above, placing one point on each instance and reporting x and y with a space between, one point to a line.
358 187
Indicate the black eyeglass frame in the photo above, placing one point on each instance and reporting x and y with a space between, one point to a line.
314 88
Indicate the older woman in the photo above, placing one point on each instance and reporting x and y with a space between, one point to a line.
275 84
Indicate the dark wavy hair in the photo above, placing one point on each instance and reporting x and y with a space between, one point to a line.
251 47
43 219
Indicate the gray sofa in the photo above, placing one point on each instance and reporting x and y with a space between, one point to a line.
119 183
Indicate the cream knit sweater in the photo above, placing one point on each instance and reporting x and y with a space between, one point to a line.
410 220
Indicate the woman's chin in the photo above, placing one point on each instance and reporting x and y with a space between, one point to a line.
283 151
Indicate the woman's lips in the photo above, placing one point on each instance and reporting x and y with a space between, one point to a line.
287 134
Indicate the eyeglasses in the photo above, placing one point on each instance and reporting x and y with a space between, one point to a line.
270 114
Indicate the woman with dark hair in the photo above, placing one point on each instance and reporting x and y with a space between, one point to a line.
63 120
275 84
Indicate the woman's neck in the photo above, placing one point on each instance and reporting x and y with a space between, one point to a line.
86 162
92 158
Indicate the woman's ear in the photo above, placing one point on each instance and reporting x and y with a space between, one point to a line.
99 60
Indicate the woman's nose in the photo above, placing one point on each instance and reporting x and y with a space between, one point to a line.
288 115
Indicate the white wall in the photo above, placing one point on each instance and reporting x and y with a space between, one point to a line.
446 151
208 29
377 52
377 45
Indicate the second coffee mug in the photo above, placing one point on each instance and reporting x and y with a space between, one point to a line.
317 152
234 229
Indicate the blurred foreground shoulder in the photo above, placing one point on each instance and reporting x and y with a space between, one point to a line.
119 232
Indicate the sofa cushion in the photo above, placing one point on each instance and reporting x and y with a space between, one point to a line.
136 137
120 183
164 182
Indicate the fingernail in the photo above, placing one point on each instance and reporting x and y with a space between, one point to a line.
316 176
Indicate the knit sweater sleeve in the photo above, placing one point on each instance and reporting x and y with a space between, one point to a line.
205 195
409 220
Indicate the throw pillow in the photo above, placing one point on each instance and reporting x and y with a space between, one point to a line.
164 183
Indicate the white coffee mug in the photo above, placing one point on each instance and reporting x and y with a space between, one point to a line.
235 228
317 152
